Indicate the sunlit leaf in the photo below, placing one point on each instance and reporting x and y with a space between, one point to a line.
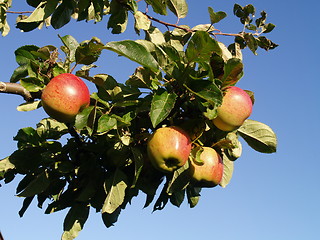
161 106
178 7
115 187
259 136
134 51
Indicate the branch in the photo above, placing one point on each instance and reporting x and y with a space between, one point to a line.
14 12
18 89
190 30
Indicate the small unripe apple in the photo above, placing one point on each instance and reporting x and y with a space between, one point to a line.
236 107
64 97
169 148
207 170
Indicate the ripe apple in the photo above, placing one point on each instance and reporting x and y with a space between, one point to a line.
208 171
64 97
236 107
168 148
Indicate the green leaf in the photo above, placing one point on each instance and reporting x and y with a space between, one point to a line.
158 6
216 17
259 136
233 71
180 180
62 14
115 187
83 117
75 220
141 21
25 107
178 7
228 167
5 165
201 46
88 52
106 123
161 106
32 84
135 52
251 42
193 195
71 44
42 11
110 219
206 90
118 17
36 186
26 203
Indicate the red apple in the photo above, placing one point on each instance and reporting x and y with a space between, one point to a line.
64 97
169 148
235 109
207 171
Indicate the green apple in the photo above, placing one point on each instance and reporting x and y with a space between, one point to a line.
206 167
236 107
64 97
168 148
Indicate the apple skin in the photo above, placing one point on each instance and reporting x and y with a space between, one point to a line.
209 173
168 148
236 107
64 97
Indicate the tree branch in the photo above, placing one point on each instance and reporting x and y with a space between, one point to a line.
18 89
190 30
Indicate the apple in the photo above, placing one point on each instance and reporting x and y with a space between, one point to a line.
207 168
64 97
236 107
168 148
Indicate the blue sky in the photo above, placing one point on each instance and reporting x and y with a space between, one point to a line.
273 196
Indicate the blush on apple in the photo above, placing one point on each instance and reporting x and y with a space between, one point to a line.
169 148
64 97
236 107
207 170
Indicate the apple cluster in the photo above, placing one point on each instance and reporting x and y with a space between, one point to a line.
170 148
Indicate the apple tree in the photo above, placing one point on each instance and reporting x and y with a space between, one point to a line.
107 152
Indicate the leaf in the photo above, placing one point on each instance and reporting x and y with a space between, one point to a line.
193 195
233 71
36 186
161 106
118 17
206 90
115 187
75 220
83 117
42 11
228 167
25 107
158 6
135 52
251 42
141 21
26 203
259 136
180 180
62 14
88 52
71 44
201 46
178 7
110 219
5 165
216 17
106 123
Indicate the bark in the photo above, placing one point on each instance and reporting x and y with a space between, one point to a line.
18 89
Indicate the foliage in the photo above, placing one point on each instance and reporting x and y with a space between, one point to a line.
99 161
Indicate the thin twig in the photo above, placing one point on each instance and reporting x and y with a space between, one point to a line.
23 12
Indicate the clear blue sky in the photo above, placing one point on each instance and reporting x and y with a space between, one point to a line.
271 197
